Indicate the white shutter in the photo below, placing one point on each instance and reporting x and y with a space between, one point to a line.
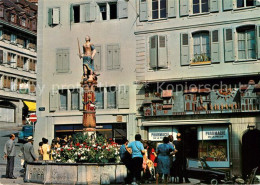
83 12
54 100
4 56
122 9
90 12
56 16
162 51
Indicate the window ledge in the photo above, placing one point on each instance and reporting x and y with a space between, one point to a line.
249 61
200 14
244 8
157 20
200 63
156 70
62 73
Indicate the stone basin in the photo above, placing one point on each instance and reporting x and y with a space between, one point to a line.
75 173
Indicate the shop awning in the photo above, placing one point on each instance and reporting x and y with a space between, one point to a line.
185 122
31 105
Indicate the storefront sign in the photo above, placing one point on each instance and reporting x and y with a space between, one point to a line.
158 133
212 133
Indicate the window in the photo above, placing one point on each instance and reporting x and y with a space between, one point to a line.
113 10
32 87
75 100
158 9
1 34
100 98
53 16
201 48
13 18
158 52
113 57
1 56
13 60
111 97
23 22
246 43
103 11
76 10
25 64
200 6
63 99
245 3
13 38
62 60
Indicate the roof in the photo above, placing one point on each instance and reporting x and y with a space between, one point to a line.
19 6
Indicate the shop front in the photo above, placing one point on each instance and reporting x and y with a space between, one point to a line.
208 141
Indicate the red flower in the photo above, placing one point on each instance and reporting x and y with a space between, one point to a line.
77 144
110 139
84 143
95 148
80 146
61 150
103 147
108 149
69 149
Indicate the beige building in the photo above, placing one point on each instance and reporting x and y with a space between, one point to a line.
18 63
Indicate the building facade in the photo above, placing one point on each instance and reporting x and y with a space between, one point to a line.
111 29
18 63
197 70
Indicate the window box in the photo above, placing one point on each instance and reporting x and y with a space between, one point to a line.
200 63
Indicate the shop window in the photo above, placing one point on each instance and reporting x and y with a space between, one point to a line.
245 3
158 52
100 98
111 97
63 100
246 43
201 48
200 6
75 100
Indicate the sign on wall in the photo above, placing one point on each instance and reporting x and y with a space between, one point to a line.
212 133
157 134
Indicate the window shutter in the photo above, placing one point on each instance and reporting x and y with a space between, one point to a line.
257 3
143 10
123 97
122 9
171 8
153 51
162 51
116 57
227 4
50 16
109 57
90 12
56 16
185 50
229 44
109 99
59 61
258 40
1 56
81 94
65 60
97 59
54 100
215 46
83 12
4 56
100 98
71 13
184 7
214 5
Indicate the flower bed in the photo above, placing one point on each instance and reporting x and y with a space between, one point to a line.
82 149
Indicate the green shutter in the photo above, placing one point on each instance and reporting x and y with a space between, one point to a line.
56 16
258 40
65 60
257 3
171 9
122 9
214 5
99 98
227 4
50 16
110 57
59 56
229 44
81 94
162 52
71 13
116 57
123 97
54 100
184 7
215 52
185 50
153 51
90 12
97 59
143 10
83 12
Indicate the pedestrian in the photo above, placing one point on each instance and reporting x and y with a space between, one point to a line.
45 149
163 152
180 160
137 157
9 154
64 141
40 150
173 174
126 158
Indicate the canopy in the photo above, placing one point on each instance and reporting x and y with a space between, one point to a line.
31 105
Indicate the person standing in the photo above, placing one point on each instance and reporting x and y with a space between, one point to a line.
137 157
180 161
164 164
9 154
40 150
45 149
28 151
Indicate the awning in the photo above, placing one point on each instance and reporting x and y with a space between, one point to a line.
31 105
185 122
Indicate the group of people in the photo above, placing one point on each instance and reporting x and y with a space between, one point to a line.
163 163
